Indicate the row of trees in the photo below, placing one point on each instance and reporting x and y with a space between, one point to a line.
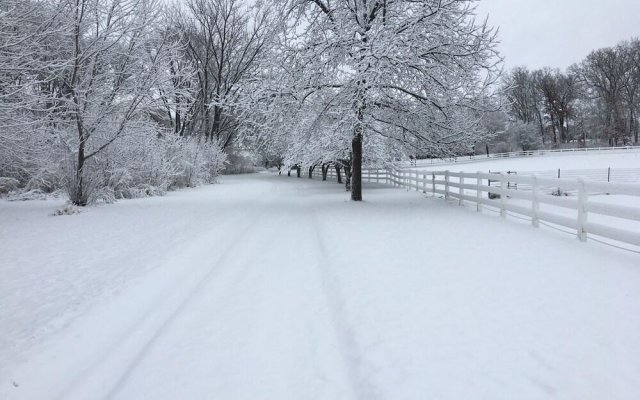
595 101
360 82
113 98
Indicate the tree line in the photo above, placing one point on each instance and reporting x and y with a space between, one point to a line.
594 102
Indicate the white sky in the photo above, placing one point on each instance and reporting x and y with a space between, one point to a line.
558 33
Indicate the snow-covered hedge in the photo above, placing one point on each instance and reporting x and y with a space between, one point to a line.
141 164
135 167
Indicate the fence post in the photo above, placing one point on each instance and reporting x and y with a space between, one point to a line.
446 185
461 190
535 203
503 191
424 183
582 210
433 184
478 193
417 183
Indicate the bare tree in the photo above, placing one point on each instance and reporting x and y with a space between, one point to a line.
225 42
602 73
559 93
630 52
524 100
109 78
31 58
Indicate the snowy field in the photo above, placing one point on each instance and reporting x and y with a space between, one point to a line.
268 287
549 162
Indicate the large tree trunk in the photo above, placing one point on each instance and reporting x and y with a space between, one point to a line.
633 128
178 125
325 171
541 125
347 179
311 172
563 131
299 170
356 167
79 196
215 126
338 174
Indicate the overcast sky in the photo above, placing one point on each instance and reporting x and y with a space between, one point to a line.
558 33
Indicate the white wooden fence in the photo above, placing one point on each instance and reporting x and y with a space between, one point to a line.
575 204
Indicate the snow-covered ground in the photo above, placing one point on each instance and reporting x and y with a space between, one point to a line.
268 287
548 162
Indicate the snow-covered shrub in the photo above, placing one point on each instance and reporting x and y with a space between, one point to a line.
8 184
145 163
240 162
30 157
194 161
25 195
525 136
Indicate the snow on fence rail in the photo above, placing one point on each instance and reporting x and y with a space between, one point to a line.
483 157
568 203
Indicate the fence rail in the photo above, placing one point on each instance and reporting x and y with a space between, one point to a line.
576 204
492 156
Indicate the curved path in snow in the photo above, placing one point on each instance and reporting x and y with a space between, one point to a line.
268 287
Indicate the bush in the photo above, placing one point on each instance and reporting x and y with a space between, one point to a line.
239 162
8 185
140 163
135 167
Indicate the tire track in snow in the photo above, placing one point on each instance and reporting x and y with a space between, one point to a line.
206 280
120 346
349 347
271 330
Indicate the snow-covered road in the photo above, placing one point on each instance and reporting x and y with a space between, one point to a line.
268 287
